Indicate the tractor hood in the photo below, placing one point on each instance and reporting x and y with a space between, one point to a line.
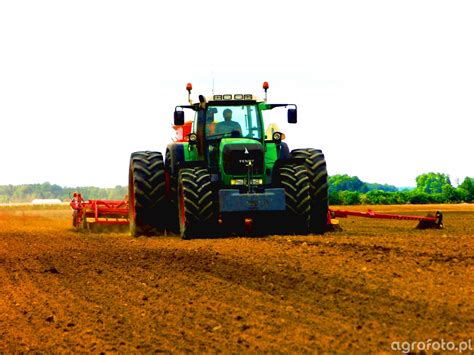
238 153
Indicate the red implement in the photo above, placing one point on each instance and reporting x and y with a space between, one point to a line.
182 132
425 222
98 212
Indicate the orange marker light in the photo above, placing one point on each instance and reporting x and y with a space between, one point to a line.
189 86
265 85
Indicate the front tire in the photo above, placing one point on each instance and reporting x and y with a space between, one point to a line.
295 180
147 193
196 212
315 164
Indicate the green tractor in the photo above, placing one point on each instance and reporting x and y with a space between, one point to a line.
228 175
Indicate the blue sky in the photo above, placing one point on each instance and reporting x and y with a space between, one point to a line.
384 88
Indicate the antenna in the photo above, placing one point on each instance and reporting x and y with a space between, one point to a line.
212 84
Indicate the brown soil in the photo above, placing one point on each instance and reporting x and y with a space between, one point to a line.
376 282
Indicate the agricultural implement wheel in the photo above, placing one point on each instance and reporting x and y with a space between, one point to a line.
85 224
295 180
315 164
75 218
147 195
195 203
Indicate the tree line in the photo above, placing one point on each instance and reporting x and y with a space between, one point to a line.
27 193
430 188
343 190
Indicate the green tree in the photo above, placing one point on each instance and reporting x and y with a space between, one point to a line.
344 183
334 198
383 187
27 193
432 182
349 197
377 197
450 194
399 198
466 189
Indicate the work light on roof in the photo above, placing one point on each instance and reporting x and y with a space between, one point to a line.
233 97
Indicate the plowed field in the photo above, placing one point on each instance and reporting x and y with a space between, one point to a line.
374 283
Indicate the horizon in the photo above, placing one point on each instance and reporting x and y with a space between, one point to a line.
454 184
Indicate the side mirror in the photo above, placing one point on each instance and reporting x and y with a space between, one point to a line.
292 115
178 118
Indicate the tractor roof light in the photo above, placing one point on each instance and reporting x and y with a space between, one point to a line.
265 87
189 87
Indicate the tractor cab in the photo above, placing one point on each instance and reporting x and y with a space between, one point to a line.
229 138
232 129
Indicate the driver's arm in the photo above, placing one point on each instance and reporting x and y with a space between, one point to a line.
238 127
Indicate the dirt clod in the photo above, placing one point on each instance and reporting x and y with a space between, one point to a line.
52 270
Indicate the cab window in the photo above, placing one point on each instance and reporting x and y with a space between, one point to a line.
221 121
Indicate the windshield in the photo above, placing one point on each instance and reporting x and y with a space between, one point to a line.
233 121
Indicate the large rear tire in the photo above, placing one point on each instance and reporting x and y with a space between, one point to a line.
295 180
147 193
195 203
315 164
172 215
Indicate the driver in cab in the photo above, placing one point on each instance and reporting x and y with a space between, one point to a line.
228 126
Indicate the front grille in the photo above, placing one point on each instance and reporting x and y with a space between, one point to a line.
237 156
